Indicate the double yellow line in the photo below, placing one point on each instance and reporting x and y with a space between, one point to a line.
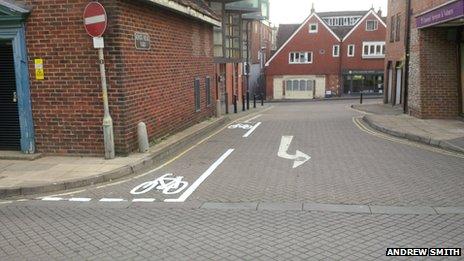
358 122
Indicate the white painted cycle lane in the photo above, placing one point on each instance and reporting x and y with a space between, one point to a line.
173 181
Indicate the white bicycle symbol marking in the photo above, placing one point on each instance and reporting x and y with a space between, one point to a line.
241 126
167 184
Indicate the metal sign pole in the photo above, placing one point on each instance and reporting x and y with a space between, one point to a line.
107 120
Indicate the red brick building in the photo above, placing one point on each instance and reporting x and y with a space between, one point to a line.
423 66
261 34
329 53
167 83
234 43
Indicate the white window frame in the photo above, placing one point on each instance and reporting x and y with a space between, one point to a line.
351 47
376 25
307 87
341 20
306 54
373 46
311 31
336 47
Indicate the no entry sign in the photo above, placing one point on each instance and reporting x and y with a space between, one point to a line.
95 20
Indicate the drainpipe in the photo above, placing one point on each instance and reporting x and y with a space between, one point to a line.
407 43
340 73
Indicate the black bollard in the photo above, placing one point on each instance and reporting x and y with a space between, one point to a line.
243 102
248 99
262 99
361 99
235 103
226 95
254 100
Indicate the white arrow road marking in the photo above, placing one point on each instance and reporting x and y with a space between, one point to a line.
251 130
202 178
299 158
95 19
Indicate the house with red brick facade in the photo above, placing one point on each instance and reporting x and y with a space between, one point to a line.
234 44
425 55
332 53
50 85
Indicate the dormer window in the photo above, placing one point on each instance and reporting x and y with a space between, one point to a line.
372 25
342 20
313 28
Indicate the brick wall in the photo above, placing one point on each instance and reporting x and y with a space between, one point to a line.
437 76
321 46
323 62
159 83
357 38
261 35
154 86
67 107
395 48
269 87
332 83
433 77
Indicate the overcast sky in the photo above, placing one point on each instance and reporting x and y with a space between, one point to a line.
295 11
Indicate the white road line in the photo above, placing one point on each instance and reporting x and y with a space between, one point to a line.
202 178
111 184
68 193
254 118
6 202
80 199
183 152
51 199
251 130
111 200
148 200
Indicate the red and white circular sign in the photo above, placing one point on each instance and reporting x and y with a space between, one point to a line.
95 20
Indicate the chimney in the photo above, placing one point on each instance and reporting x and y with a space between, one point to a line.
379 12
312 9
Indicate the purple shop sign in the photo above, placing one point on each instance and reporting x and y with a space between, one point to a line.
442 14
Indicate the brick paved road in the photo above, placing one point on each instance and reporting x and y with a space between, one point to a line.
45 232
348 166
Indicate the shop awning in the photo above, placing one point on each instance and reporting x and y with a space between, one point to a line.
450 14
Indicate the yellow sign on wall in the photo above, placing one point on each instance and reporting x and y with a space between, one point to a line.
39 71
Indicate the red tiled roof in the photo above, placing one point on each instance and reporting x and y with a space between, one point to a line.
284 32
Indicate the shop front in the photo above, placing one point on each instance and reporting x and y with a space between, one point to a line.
355 82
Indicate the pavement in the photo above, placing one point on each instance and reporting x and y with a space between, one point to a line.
334 98
446 134
33 174
299 181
